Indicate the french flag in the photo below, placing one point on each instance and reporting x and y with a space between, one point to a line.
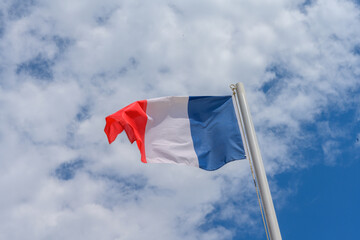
197 131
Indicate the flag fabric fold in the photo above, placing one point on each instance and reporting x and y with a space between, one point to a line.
197 131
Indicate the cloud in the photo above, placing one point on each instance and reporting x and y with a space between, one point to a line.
20 8
65 65
331 151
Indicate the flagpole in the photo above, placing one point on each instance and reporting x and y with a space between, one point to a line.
270 215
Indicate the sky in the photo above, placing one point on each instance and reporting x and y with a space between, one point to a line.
66 65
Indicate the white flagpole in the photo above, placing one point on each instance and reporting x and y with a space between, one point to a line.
259 169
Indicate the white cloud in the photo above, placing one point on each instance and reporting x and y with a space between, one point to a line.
331 151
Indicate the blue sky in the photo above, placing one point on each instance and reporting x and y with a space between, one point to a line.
65 65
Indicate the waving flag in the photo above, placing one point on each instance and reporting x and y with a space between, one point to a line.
197 131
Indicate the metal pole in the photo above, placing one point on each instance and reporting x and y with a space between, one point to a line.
259 169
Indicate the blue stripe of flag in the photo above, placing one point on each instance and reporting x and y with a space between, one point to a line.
215 131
